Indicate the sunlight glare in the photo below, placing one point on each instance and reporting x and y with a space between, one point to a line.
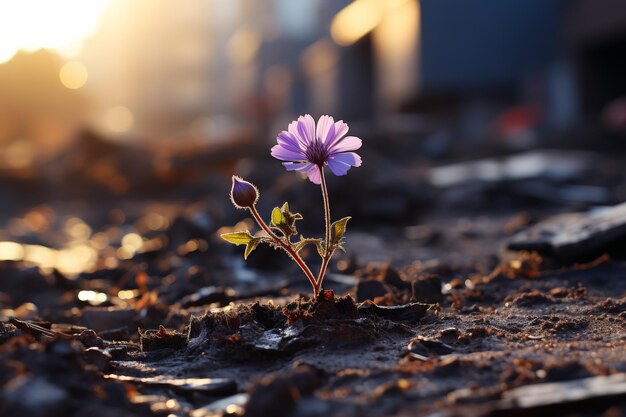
58 25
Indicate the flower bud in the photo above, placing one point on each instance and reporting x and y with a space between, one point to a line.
243 194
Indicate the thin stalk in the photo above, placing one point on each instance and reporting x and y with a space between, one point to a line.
326 209
287 248
328 253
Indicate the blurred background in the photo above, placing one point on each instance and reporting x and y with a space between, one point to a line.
120 118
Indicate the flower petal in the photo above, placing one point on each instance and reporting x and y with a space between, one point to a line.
323 126
306 128
341 129
315 175
330 137
349 143
293 130
337 167
298 166
340 163
289 142
284 154
349 158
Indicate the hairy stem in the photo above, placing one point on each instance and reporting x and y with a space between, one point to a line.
287 248
328 253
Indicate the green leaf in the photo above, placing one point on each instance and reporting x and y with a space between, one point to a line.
278 218
303 242
237 238
338 229
251 246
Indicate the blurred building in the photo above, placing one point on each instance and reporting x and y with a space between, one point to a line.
204 71
155 59
595 38
352 59
38 114
208 65
496 67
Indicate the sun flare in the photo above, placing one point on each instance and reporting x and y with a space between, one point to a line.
59 25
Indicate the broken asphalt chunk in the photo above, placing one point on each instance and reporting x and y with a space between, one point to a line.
423 348
405 312
559 396
209 386
575 237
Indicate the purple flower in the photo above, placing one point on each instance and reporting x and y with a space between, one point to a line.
307 149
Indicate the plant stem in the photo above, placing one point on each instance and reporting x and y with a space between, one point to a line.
326 209
287 248
327 253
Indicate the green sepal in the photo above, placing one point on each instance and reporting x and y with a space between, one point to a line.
278 219
290 217
284 220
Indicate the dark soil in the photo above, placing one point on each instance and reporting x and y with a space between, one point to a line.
438 319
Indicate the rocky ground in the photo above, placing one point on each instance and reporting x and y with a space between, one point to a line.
500 296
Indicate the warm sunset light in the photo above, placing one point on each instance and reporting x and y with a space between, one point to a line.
361 17
59 25
312 208
355 21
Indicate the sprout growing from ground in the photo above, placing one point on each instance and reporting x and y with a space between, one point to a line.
306 148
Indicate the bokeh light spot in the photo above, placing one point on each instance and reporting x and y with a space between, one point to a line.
119 119
73 75
11 251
